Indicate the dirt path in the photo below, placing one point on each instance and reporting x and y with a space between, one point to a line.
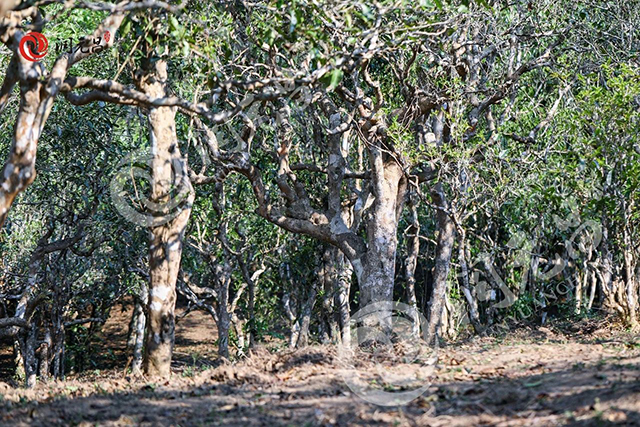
536 378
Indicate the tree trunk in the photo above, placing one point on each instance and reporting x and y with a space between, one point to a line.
131 330
468 291
224 324
328 278
166 239
444 248
581 285
376 275
343 288
238 327
413 250
252 314
139 328
59 348
20 169
223 278
305 319
295 325
45 354
629 269
28 353
612 287
592 291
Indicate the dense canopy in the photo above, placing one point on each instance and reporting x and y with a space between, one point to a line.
281 165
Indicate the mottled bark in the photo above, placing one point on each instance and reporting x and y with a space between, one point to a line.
238 327
411 262
304 318
252 315
631 284
581 284
291 315
45 348
593 288
328 277
28 353
376 270
468 291
20 169
343 289
612 286
223 280
140 321
59 335
166 240
446 234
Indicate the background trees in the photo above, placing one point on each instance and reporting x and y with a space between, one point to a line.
279 165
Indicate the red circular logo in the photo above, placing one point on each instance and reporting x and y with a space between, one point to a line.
33 46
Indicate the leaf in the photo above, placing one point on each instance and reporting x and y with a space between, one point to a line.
336 77
126 28
173 22
349 20
271 38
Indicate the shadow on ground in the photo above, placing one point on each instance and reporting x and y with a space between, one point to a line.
521 384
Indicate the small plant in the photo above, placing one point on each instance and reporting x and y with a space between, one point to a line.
188 372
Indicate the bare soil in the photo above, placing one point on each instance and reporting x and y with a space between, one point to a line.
585 374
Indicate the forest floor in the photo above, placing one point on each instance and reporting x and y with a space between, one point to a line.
576 374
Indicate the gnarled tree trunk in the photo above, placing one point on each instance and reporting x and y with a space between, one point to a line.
376 269
343 288
446 235
166 239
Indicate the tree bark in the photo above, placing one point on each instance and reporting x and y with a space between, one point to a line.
45 354
468 291
329 277
444 248
304 319
629 269
252 315
166 240
28 353
592 291
138 332
376 274
413 250
223 280
343 288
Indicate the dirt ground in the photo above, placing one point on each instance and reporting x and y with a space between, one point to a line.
584 374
